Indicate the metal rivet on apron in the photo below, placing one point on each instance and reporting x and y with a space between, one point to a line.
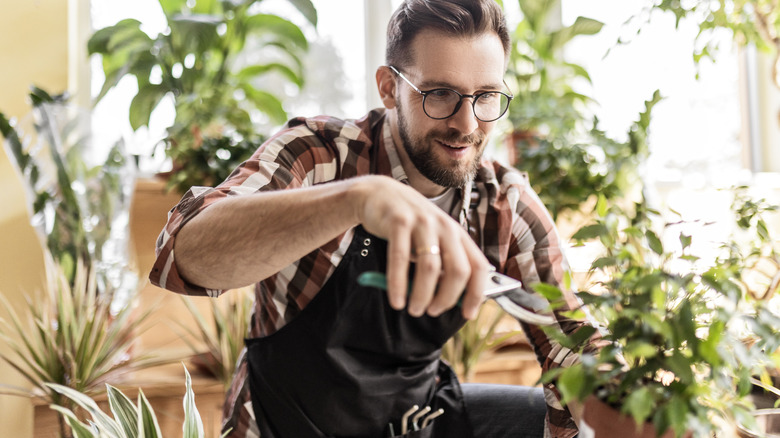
364 252
367 242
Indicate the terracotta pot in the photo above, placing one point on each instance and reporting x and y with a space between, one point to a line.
600 420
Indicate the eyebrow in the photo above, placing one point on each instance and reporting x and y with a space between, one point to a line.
430 85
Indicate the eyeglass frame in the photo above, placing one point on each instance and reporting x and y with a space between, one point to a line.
474 97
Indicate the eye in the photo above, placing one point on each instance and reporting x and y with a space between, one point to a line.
489 97
442 94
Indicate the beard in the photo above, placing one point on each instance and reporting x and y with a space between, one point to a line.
420 152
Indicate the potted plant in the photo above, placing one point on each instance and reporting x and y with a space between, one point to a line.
78 193
79 332
676 326
71 336
554 136
129 420
222 334
211 60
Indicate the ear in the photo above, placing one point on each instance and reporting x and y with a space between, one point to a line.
385 83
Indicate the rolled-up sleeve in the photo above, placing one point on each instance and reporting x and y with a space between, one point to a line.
288 160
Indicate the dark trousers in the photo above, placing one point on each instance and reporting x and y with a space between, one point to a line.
505 410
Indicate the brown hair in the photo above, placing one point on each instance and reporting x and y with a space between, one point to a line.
452 17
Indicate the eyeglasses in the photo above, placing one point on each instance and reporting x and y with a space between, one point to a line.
442 103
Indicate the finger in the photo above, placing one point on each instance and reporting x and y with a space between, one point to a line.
398 248
427 270
478 281
456 271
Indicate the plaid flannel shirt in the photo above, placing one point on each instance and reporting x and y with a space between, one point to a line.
501 213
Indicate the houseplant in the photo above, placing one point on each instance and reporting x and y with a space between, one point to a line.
676 325
211 60
79 332
70 336
222 334
129 420
555 138
78 193
477 337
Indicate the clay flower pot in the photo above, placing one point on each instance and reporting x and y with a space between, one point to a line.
600 420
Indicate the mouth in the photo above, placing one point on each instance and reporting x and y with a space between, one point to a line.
453 145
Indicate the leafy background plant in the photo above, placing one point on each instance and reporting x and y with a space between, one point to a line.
748 22
212 61
78 196
222 332
483 334
685 337
554 136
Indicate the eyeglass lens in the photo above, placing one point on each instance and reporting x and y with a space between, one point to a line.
443 103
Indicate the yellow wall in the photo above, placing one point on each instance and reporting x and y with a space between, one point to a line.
34 38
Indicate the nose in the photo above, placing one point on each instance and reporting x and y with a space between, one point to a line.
464 119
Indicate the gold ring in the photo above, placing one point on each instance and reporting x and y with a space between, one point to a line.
427 250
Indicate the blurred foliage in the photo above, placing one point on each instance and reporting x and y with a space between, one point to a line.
212 60
78 197
555 138
748 21
223 334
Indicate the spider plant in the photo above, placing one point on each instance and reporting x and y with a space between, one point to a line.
70 336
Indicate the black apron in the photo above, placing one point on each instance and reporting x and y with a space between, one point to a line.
349 364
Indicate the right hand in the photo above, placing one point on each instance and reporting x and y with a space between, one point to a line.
412 225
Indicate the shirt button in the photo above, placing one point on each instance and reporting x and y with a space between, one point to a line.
364 252
367 241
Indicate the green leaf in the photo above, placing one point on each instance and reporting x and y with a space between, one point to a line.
602 206
193 425
590 232
267 103
681 367
685 240
277 27
78 429
257 70
147 421
124 411
171 7
654 242
604 262
641 349
306 7
551 292
103 421
571 383
639 404
99 41
144 103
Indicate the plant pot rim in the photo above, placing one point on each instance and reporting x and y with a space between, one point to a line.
745 433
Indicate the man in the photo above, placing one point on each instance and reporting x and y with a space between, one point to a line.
405 191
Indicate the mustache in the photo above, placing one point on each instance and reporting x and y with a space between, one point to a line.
453 136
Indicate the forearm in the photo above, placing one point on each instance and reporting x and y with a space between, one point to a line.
242 240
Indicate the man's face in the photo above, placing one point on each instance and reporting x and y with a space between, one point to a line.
447 152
